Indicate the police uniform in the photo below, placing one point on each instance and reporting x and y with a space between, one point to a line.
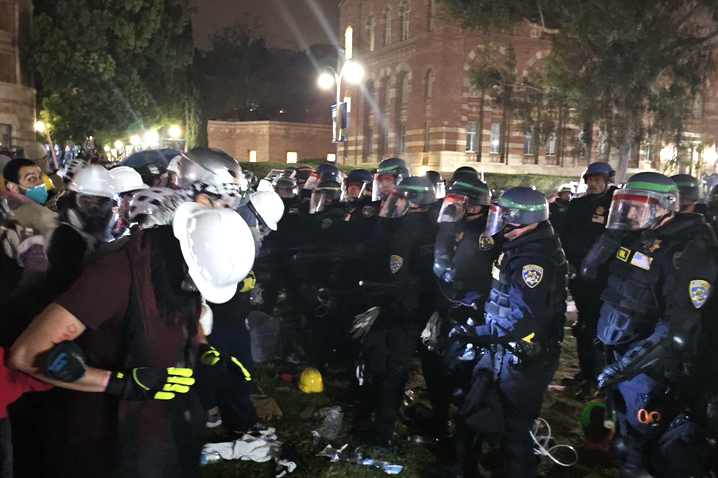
586 219
659 281
557 215
524 317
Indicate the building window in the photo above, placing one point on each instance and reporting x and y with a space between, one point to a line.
385 142
5 16
371 31
387 93
5 136
402 139
429 80
6 73
432 14
698 106
529 141
405 89
404 18
551 145
348 43
472 136
387 27
495 138
427 136
252 156
369 142
291 156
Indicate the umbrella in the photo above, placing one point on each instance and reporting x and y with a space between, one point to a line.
160 156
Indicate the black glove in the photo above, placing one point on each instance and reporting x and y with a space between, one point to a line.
150 383
611 375
208 355
65 362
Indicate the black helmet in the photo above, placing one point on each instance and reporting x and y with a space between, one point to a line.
151 174
438 182
464 172
326 171
643 201
600 168
358 179
395 168
519 205
688 187
412 190
467 191
302 172
289 172
712 204
327 192
286 187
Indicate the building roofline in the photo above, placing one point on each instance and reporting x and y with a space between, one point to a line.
268 122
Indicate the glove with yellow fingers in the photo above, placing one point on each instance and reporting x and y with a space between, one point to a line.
150 383
209 355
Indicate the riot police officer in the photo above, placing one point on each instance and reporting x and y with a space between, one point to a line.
463 255
360 212
388 175
464 172
557 210
520 340
404 296
586 218
690 192
662 272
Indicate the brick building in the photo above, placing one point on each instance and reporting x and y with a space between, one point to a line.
17 97
417 101
276 141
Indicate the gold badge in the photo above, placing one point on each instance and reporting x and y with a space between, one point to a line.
656 244
486 242
600 210
699 291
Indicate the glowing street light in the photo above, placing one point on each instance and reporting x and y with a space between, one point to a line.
151 137
326 80
134 140
107 148
353 72
175 132
40 127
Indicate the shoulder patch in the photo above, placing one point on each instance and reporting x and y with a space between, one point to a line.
641 260
395 263
623 254
699 291
368 211
326 223
486 242
532 275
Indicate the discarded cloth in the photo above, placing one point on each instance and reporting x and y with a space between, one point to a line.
247 448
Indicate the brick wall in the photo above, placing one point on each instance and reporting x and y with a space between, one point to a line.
270 139
394 99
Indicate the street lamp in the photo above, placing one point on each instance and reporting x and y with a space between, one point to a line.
175 132
353 72
151 137
118 144
106 148
40 127
134 140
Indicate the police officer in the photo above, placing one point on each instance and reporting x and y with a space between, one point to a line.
388 175
440 188
520 340
360 212
405 298
557 210
690 193
662 272
586 218
463 255
464 172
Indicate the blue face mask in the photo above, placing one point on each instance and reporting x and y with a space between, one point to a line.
37 193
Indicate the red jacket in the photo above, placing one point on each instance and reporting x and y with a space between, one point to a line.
14 383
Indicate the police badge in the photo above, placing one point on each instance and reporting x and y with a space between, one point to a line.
325 224
532 275
395 263
486 242
699 291
368 211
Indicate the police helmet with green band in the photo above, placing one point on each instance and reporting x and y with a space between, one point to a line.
464 172
687 186
326 192
392 168
395 166
417 190
474 189
520 206
646 199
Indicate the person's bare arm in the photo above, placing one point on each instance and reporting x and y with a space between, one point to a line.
54 325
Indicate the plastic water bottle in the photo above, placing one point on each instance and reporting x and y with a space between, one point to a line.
207 458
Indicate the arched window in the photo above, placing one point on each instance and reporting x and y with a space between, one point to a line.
698 106
348 43
404 19
387 27
429 84
371 29
431 8
387 93
405 89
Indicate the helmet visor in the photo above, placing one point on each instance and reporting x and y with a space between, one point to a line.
352 190
634 209
497 219
453 208
395 206
384 184
321 199
312 181
440 189
286 190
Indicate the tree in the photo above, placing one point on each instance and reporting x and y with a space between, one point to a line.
629 67
110 69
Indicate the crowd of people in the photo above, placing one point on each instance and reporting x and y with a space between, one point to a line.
125 295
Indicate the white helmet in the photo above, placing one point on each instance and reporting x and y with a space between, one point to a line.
94 180
211 167
73 166
126 179
155 207
268 206
35 151
217 246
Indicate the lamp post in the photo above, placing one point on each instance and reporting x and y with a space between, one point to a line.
40 127
354 73
175 133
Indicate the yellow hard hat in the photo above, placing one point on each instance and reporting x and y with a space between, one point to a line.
48 182
310 381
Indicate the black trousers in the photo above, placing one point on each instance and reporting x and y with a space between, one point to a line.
590 353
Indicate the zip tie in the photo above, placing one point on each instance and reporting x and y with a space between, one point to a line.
543 443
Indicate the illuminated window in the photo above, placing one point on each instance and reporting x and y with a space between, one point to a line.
371 29
698 106
252 156
402 139
551 145
495 138
472 130
404 18
348 34
529 141
387 27
331 157
291 156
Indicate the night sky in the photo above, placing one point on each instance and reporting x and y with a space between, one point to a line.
286 23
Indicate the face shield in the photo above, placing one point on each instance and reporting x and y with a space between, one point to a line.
352 190
396 205
499 217
312 182
321 199
453 208
384 184
634 209
286 189
440 189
